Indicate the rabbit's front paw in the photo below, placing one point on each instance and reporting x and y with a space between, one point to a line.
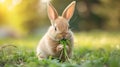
59 48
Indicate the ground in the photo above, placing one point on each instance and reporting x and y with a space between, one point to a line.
91 49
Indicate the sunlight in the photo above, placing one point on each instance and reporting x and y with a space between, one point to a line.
42 7
45 1
2 1
9 9
13 4
10 4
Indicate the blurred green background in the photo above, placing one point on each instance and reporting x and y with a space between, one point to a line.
25 17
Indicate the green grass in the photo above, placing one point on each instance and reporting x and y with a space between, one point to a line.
64 42
91 49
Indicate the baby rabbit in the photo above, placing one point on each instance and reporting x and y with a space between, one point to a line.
49 45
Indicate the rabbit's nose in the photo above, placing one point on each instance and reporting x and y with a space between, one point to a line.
64 36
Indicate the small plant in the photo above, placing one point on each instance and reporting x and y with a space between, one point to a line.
64 42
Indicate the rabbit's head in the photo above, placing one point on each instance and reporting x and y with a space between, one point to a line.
60 24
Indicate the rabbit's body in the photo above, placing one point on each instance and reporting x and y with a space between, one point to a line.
49 45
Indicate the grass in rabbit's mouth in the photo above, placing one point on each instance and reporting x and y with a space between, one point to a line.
64 42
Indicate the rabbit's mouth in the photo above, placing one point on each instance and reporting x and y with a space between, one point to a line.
62 38
59 37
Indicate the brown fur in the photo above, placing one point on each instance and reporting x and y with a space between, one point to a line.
49 45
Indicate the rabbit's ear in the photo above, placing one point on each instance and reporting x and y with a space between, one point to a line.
52 13
68 12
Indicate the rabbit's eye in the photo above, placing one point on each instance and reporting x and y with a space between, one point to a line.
55 29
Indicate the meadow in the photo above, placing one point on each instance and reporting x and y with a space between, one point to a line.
91 49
